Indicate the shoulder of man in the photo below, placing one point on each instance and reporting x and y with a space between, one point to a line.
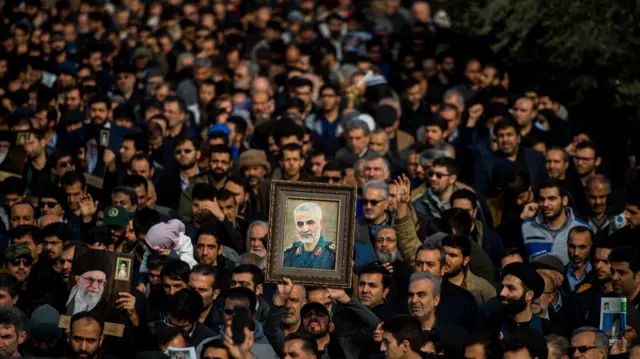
292 246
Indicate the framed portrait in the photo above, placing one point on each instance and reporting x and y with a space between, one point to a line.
97 278
311 233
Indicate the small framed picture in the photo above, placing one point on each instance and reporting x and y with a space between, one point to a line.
123 269
104 138
311 227
181 353
21 139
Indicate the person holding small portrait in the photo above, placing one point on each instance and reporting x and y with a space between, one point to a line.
311 250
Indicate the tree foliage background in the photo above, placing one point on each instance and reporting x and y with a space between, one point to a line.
597 40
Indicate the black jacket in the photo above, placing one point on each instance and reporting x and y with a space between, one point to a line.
457 305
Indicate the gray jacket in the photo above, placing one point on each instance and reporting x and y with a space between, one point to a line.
261 348
539 239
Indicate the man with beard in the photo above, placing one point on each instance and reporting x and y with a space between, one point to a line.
187 153
13 332
557 162
579 274
35 171
91 270
548 231
254 165
387 252
284 315
205 280
85 335
442 179
520 286
423 299
99 110
220 162
117 219
312 250
18 262
227 203
603 267
603 222
586 160
55 236
257 238
458 257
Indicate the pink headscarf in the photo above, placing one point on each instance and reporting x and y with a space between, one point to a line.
165 235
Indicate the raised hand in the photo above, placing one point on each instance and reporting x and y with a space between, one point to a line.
404 189
338 295
529 211
283 292
239 350
88 207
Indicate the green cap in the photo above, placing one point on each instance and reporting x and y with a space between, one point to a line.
17 250
116 216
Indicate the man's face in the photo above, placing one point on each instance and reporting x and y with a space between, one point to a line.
238 192
294 349
291 313
524 111
421 300
203 284
508 141
53 247
98 113
220 163
141 168
207 249
328 100
172 286
317 164
65 261
429 260
374 203
597 197
10 341
378 143
586 339
392 202
33 146
74 195
540 305
73 99
173 113
141 193
414 95
579 245
50 206
375 170
123 200
256 245
92 282
11 198
434 135
602 264
316 324
291 162
127 150
255 174
357 140
245 280
456 262
440 179
585 162
624 280
229 209
371 292
154 277
215 353
22 214
513 298
387 245
309 225
632 214
186 155
64 165
20 268
229 307
551 202
85 338
6 299
555 164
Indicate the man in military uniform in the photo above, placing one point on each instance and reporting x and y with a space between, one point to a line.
312 250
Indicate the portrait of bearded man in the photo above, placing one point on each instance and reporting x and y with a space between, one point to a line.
92 271
311 250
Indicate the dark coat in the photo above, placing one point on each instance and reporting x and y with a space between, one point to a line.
494 168
457 305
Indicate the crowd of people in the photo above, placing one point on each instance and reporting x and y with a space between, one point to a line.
489 224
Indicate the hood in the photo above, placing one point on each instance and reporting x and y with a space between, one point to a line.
258 337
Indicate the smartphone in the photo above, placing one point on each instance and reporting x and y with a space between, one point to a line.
240 318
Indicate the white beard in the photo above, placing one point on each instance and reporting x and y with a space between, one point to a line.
3 156
307 240
388 257
85 301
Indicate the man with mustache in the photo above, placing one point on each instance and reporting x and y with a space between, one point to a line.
66 260
579 273
312 250
85 335
603 223
520 286
18 261
91 270
284 315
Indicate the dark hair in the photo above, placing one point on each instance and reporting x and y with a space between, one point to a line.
456 220
100 98
143 157
529 339
207 270
91 316
225 195
73 177
550 183
309 344
9 284
588 145
61 230
288 129
14 185
257 275
157 260
377 268
203 192
489 342
581 230
26 230
464 193
186 304
211 228
504 123
405 327
448 163
145 219
166 335
220 149
437 121
181 105
134 181
241 181
139 141
133 197
291 147
243 294
181 140
625 254
462 243
176 269
219 135
124 111
215 343
99 235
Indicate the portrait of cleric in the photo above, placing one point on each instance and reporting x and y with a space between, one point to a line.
310 249
92 273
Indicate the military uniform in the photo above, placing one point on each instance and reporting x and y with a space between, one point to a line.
323 255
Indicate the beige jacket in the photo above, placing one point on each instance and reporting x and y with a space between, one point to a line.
481 289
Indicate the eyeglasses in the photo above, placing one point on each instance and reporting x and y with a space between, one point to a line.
27 262
373 202
184 150
48 204
582 348
437 174
93 281
64 164
331 178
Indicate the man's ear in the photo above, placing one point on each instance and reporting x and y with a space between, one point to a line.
331 327
565 201
385 292
529 295
598 161
466 260
259 289
436 300
101 340
22 337
14 300
216 293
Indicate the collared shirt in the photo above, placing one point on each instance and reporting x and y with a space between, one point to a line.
573 280
184 183
556 307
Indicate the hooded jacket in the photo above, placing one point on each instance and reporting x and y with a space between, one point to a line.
261 348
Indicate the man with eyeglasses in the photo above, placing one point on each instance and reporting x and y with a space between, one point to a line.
51 201
589 343
18 262
187 153
91 271
60 163
55 235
